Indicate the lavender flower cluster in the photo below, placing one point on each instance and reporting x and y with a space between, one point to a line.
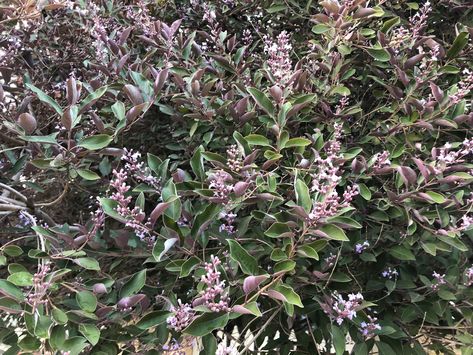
438 280
40 287
360 248
214 297
390 273
138 170
325 181
221 186
369 328
279 59
134 216
182 316
339 309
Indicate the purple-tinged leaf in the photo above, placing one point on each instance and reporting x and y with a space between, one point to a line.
251 283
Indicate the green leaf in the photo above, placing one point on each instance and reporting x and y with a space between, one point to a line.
385 349
297 142
109 206
335 233
13 250
210 345
351 153
207 323
197 163
388 24
436 197
161 247
93 97
345 222
320 28
169 194
90 332
402 253
59 316
338 339
248 264
49 139
279 230
29 343
446 295
21 279
10 290
118 109
458 44
379 54
253 308
45 98
276 8
209 156
133 285
291 296
284 266
340 90
10 305
88 263
306 251
87 174
74 345
303 195
189 265
86 301
258 139
57 337
42 325
262 100
278 255
153 319
96 142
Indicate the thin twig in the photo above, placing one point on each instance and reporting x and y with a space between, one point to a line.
260 331
13 191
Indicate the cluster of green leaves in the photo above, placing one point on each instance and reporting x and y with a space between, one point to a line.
182 104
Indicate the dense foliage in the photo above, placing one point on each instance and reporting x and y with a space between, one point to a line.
289 176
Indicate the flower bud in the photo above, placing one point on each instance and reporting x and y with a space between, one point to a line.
276 93
240 188
304 163
99 288
27 122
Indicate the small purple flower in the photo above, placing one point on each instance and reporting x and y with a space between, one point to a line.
182 317
339 309
330 260
439 280
390 273
360 248
368 328
229 221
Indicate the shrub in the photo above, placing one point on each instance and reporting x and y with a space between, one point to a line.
299 170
